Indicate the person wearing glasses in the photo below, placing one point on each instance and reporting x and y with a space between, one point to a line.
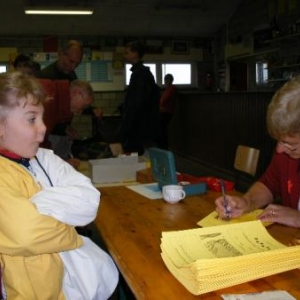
69 57
281 181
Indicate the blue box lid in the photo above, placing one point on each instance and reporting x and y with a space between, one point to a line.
163 166
163 170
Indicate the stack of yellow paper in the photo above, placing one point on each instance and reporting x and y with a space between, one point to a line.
208 259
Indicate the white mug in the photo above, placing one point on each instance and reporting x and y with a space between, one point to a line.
173 193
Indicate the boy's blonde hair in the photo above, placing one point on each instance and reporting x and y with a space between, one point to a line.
16 89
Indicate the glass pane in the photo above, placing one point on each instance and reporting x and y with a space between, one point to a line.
3 68
182 73
261 73
128 72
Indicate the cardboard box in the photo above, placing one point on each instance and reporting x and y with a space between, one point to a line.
117 169
144 176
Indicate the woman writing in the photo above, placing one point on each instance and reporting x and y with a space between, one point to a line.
282 178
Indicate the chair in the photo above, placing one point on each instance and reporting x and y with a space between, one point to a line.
246 160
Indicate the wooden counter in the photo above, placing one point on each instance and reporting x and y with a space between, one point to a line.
131 226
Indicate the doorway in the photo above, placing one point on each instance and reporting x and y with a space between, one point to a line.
238 76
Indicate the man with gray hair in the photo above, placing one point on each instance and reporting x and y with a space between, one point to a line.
69 57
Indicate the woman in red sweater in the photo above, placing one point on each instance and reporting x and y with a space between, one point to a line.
281 181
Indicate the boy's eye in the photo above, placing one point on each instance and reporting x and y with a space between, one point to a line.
31 120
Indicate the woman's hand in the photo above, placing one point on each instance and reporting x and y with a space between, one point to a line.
257 196
281 214
236 206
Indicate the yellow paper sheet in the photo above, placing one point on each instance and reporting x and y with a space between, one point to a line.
213 220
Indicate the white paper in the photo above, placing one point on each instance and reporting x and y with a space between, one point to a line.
149 190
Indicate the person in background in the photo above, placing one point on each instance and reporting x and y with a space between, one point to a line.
281 181
59 114
24 64
167 105
43 198
19 61
32 68
69 57
140 108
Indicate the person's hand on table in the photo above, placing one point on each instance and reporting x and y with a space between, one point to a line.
281 214
236 206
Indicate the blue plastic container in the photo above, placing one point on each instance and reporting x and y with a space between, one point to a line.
163 170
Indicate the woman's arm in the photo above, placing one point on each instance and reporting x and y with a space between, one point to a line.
257 196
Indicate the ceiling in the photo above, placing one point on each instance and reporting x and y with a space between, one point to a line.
114 18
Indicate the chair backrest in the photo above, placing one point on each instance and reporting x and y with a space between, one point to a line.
246 159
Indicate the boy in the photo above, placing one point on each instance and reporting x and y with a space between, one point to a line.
42 199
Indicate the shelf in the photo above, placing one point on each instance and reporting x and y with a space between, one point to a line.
286 37
237 57
278 80
285 66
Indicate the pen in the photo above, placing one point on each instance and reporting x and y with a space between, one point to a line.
223 189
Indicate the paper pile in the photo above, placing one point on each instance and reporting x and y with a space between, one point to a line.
211 258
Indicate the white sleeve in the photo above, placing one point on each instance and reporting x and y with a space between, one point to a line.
72 198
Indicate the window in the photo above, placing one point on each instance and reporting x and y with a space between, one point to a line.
3 68
183 73
261 73
128 72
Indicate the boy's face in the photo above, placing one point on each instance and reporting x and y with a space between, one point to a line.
23 129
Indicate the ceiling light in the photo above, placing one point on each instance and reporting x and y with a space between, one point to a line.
47 11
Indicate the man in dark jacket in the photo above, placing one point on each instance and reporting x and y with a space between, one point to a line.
140 109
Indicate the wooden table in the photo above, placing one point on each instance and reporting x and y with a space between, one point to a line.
131 226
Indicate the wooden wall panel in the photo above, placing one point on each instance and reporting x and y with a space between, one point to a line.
207 128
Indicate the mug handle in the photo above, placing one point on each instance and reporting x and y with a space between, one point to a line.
183 194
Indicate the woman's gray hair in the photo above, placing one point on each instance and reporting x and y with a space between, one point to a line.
283 115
